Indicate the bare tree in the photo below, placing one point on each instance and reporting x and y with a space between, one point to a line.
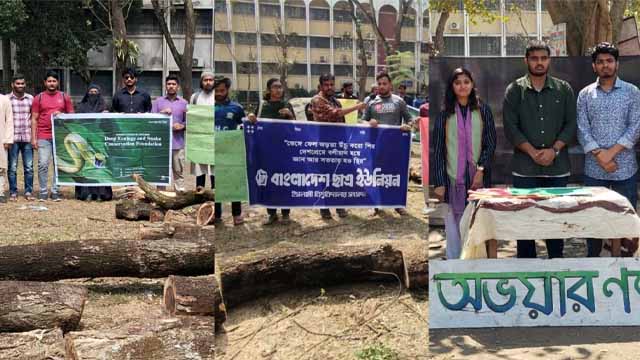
184 60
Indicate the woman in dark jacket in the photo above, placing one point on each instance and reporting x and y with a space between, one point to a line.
92 102
464 140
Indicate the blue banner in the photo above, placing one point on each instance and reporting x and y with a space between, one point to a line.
316 165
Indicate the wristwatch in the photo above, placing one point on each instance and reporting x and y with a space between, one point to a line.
557 151
480 168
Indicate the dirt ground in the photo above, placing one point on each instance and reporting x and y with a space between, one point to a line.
556 343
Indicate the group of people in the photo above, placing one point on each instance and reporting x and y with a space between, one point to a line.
541 118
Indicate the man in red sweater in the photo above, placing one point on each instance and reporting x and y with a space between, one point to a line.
46 105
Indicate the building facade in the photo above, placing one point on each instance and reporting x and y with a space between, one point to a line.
243 39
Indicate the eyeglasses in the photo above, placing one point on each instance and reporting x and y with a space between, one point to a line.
129 77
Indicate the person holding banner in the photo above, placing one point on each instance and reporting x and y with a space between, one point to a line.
326 108
21 103
387 109
228 115
539 116
175 106
608 130
275 107
46 105
205 96
92 102
464 140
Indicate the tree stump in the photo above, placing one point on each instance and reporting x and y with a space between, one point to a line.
133 209
194 296
253 275
27 305
107 258
205 213
177 202
45 344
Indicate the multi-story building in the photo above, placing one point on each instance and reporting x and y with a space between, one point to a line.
243 40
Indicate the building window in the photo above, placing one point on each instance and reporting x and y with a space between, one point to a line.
203 22
492 5
240 8
528 5
409 20
320 42
453 46
298 69
270 68
317 69
143 23
222 37
343 70
407 46
485 46
220 7
371 71
104 79
425 48
342 16
223 67
268 40
270 10
343 43
151 81
297 41
295 12
319 14
516 45
246 38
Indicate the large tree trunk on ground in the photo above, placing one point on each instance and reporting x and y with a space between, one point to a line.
257 274
186 338
177 202
194 296
27 305
133 209
417 272
106 258
32 345
176 231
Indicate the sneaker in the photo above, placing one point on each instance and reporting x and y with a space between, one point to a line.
13 197
238 220
286 219
3 199
42 197
326 214
342 213
402 212
55 198
29 196
272 219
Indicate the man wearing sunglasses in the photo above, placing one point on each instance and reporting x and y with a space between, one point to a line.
130 99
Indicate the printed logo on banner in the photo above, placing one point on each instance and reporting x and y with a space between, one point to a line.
326 165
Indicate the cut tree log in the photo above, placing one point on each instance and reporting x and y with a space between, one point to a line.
257 274
156 215
175 230
205 213
133 209
173 216
28 305
177 202
194 296
417 273
184 338
107 258
46 344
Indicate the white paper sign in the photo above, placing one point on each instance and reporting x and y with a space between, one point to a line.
534 292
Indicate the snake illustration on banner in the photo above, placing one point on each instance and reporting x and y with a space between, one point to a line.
81 152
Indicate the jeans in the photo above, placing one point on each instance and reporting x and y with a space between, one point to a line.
45 153
26 150
627 188
527 248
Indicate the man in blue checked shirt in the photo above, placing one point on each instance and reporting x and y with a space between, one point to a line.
608 129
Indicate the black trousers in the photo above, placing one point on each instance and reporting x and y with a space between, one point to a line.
236 207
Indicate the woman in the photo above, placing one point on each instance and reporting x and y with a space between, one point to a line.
92 102
464 142
275 107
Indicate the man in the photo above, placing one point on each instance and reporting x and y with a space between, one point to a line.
387 109
175 106
229 116
326 108
402 92
539 116
347 91
372 95
608 130
47 104
130 99
21 103
203 97
6 140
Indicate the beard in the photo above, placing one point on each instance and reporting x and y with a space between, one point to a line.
538 71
